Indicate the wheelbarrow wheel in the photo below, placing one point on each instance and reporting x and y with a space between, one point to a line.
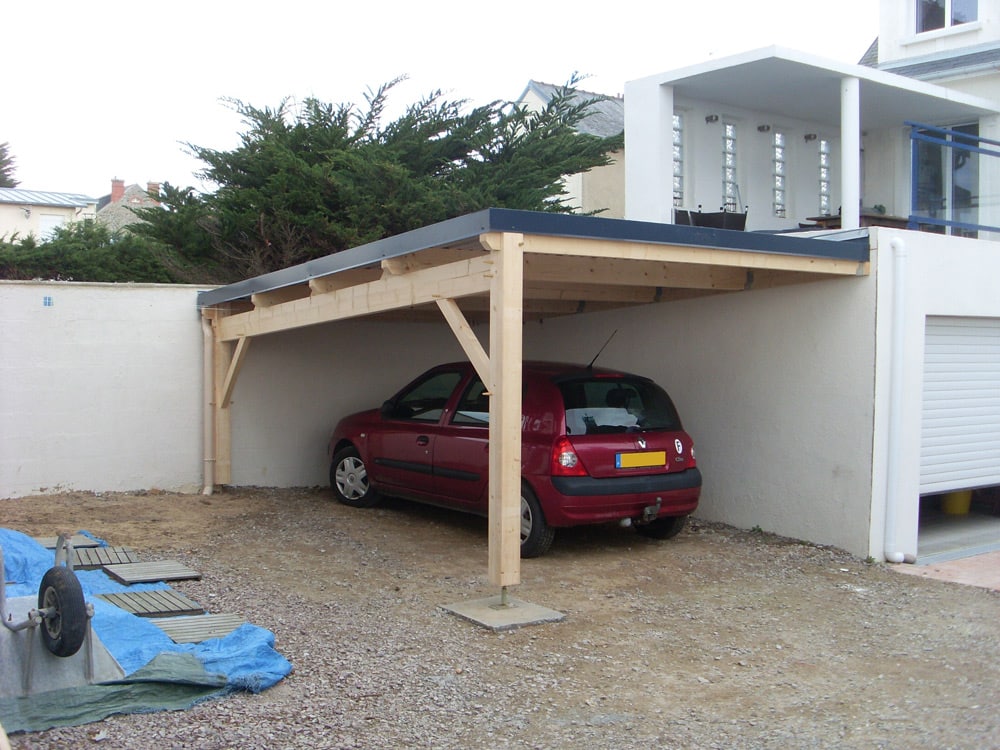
64 623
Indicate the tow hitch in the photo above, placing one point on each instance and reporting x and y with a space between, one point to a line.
650 512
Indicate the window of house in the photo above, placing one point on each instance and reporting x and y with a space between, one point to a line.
678 160
943 14
824 177
778 173
730 190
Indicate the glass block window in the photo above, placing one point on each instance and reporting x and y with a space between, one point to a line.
678 160
824 177
730 190
943 14
778 174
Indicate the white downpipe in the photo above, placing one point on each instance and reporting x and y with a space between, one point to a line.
894 460
208 406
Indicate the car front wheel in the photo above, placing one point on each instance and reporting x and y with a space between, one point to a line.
536 534
349 479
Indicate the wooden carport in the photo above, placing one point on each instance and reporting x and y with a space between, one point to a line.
501 266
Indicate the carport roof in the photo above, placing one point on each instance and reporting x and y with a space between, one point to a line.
584 233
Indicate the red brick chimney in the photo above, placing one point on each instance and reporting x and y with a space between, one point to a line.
117 190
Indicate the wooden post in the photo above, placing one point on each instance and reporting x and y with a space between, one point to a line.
506 299
222 361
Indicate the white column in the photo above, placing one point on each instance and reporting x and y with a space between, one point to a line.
649 173
850 153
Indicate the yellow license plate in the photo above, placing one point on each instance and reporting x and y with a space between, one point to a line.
640 460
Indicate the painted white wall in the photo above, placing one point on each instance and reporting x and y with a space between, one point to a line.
99 387
943 276
774 385
898 40
294 386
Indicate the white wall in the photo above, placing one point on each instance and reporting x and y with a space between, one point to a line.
776 388
99 387
294 386
943 276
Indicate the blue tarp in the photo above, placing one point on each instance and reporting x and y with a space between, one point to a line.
246 657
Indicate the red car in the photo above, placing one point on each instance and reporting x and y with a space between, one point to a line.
598 446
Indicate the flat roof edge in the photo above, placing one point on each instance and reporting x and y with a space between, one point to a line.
472 225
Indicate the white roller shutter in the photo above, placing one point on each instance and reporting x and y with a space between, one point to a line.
960 433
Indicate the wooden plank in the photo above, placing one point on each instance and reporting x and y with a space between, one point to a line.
277 296
148 572
77 540
234 370
506 320
466 338
160 603
199 628
88 558
454 280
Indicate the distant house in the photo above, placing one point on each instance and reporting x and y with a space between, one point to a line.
600 189
115 209
36 212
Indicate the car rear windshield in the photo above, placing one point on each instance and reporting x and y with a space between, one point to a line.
602 405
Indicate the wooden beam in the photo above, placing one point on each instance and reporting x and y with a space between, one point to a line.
221 358
343 279
234 370
428 258
704 256
568 269
505 412
463 332
277 296
453 280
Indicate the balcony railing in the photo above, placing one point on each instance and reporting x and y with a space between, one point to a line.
952 176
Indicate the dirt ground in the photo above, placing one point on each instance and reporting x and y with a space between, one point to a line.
717 638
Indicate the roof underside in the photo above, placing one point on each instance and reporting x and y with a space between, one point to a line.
572 264
807 88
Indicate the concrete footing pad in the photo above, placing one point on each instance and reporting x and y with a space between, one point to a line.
493 614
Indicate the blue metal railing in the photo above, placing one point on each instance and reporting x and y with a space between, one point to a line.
949 139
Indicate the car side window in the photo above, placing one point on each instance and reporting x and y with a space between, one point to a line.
474 407
425 401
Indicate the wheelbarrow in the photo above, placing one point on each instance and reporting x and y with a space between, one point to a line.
62 618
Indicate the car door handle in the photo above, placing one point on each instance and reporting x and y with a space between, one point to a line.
423 440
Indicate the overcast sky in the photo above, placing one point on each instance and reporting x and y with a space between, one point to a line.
102 89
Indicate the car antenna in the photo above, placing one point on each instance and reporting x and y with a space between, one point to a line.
591 365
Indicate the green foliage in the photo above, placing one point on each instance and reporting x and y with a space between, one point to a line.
7 167
315 178
84 251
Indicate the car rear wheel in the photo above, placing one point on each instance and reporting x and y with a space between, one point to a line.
662 528
536 534
349 479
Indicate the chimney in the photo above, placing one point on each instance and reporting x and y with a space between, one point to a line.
153 189
117 190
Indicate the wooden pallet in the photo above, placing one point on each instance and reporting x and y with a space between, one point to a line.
77 540
198 629
148 572
89 558
162 603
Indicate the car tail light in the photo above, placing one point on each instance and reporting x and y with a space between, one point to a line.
565 462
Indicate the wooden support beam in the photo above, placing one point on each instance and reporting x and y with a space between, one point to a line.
454 280
234 370
702 256
277 296
463 332
344 279
605 272
505 410
221 358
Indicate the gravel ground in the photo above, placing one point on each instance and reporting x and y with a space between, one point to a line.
719 638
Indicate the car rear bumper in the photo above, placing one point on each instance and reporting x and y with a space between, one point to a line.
568 501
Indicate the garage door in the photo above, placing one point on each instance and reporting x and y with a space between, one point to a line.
960 433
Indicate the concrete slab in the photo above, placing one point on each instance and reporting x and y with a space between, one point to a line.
975 570
24 650
492 614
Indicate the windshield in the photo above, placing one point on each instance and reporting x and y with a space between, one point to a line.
608 405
